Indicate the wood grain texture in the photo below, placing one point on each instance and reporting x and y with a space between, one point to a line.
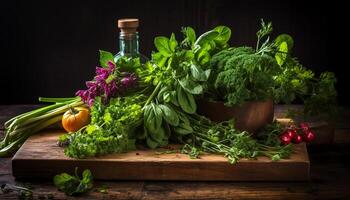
40 157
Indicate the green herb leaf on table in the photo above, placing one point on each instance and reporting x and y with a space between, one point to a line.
74 185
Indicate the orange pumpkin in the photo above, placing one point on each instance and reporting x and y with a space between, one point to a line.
75 118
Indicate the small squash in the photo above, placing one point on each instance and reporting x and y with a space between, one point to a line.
75 118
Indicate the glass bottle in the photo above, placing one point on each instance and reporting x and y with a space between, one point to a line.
129 40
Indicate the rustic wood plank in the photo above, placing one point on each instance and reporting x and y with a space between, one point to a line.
41 157
329 180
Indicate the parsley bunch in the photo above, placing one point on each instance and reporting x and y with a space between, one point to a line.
111 128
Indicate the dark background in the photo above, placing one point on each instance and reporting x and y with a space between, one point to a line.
50 48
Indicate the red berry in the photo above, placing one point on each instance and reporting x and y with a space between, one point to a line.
291 133
309 136
297 139
304 126
285 139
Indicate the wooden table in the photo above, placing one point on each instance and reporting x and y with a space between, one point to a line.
330 176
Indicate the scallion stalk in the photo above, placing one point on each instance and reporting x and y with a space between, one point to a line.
19 128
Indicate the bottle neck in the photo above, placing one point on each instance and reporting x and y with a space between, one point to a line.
129 44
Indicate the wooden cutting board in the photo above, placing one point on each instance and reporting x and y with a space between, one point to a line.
40 157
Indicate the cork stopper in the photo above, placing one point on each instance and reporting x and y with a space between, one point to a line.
128 26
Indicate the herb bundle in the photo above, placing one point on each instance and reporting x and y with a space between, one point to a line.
155 103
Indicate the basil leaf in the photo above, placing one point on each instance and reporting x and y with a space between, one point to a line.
186 101
173 98
169 115
151 143
198 73
172 42
183 129
161 93
151 120
106 57
203 57
158 116
190 34
206 37
224 35
158 136
162 45
190 86
159 59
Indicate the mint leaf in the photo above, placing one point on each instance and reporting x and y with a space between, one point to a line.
162 45
106 57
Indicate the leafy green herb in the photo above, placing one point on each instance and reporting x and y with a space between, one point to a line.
192 151
110 128
106 57
74 185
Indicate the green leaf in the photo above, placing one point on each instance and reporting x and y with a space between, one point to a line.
284 38
189 55
190 86
282 53
158 136
72 185
162 92
206 37
151 143
86 182
203 57
162 45
154 118
183 129
169 115
172 42
198 73
159 59
186 101
190 34
105 57
224 35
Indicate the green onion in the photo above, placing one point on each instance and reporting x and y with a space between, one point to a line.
19 128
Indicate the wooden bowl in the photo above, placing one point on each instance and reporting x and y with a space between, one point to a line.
250 116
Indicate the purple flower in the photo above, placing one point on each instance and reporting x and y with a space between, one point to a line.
110 65
107 89
128 81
